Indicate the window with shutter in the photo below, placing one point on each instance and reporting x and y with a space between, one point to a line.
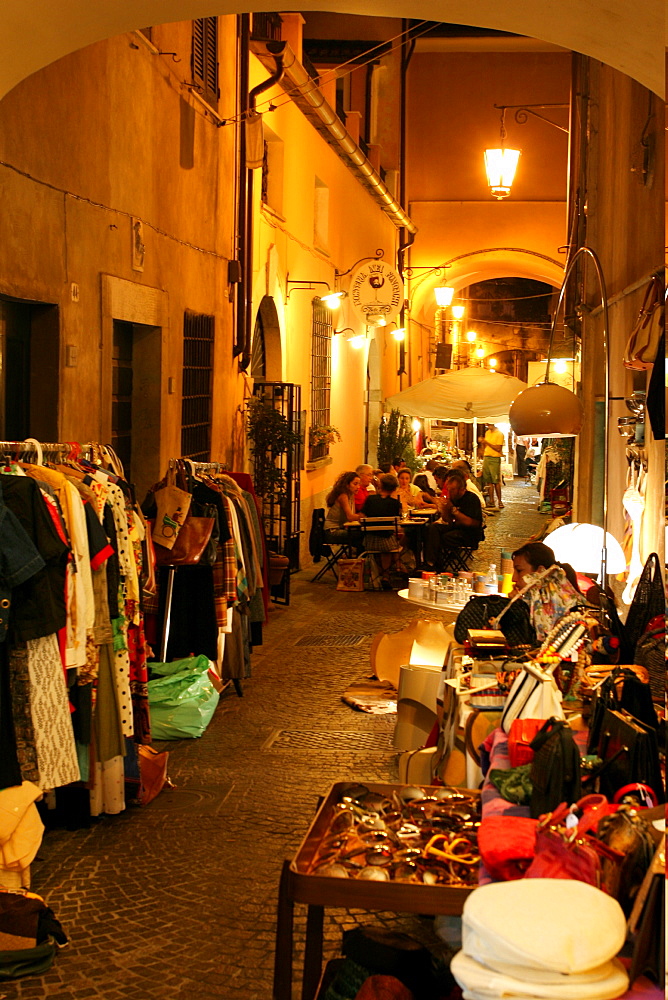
198 333
321 373
205 58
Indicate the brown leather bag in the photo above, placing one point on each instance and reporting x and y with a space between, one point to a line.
643 343
191 541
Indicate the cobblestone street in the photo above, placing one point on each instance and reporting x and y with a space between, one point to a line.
177 900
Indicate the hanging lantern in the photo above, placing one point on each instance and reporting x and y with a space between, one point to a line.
501 164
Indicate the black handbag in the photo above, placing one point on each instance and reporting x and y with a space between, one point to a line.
630 753
479 611
621 691
648 601
555 768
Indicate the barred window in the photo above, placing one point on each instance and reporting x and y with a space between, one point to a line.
321 373
205 58
198 334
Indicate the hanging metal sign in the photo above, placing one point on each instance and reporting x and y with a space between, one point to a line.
376 293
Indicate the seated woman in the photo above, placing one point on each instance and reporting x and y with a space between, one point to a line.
384 504
341 508
408 493
551 598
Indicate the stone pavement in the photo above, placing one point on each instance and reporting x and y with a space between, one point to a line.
177 901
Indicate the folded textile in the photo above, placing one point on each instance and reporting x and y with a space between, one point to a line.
481 983
514 784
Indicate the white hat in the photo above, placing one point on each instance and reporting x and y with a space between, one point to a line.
480 983
557 924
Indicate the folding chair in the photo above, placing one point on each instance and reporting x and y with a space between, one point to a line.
372 527
457 560
333 554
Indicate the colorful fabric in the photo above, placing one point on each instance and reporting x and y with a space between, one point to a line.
551 599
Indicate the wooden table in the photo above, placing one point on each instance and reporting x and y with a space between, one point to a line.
297 885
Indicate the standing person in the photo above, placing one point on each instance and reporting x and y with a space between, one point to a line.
491 464
365 472
461 519
521 452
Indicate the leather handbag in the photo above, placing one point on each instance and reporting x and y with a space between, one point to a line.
522 731
507 845
642 345
630 753
555 769
478 612
649 600
190 544
531 697
570 851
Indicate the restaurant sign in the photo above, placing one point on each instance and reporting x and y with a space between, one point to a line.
376 293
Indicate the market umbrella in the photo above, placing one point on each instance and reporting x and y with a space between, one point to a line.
466 394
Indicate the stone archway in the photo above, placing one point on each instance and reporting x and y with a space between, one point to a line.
268 328
626 36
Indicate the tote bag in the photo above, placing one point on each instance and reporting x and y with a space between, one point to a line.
531 698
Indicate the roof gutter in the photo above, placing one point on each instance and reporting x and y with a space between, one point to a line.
309 98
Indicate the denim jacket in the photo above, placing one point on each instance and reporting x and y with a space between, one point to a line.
19 560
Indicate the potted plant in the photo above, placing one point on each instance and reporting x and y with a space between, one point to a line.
323 434
270 439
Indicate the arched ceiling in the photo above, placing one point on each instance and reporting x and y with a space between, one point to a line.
628 36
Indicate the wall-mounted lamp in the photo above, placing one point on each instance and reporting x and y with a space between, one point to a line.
458 312
399 333
416 425
501 164
333 299
493 362
444 294
357 340
471 336
480 352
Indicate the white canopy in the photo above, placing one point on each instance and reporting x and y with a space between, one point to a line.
467 394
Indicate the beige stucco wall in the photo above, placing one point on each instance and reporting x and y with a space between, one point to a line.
85 160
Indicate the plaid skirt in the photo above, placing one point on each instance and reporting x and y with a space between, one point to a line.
382 543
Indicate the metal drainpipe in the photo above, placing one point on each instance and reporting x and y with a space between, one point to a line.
407 237
242 196
276 49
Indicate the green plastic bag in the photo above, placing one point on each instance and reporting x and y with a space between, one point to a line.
181 697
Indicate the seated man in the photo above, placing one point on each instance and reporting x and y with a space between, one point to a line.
366 487
461 520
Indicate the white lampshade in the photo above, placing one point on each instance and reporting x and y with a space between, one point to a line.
580 545
332 299
500 165
444 294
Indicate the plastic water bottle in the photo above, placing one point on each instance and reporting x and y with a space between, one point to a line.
491 583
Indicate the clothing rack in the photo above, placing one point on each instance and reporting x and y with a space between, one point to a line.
34 446
637 454
210 466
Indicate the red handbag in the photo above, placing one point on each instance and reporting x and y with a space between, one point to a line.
507 845
570 852
522 731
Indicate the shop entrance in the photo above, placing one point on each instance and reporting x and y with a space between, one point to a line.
135 401
29 369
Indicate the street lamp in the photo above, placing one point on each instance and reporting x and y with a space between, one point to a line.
501 164
444 294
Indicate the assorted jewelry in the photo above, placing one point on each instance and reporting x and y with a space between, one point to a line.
417 835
